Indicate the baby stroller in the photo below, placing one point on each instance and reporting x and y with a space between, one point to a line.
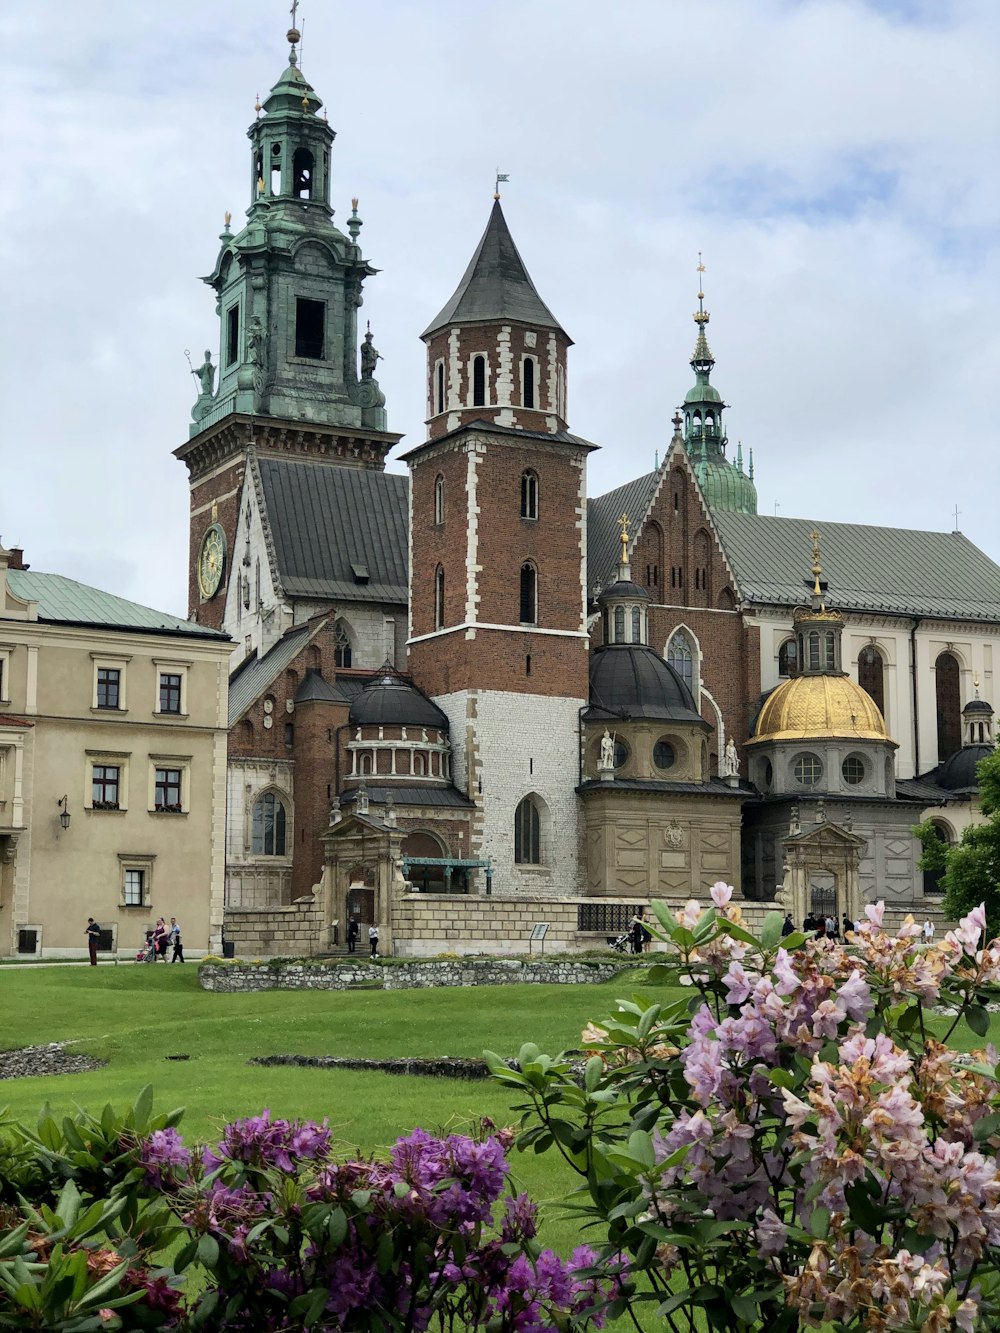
147 954
620 943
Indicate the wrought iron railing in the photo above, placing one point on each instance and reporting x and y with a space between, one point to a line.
605 918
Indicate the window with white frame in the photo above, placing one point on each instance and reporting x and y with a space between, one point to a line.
109 692
136 878
5 674
107 780
171 688
169 779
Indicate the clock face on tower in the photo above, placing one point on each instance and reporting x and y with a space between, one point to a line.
211 561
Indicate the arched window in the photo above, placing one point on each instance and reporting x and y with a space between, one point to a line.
528 381
932 878
681 657
870 676
529 494
268 826
439 499
440 386
788 658
439 597
276 168
529 594
342 653
619 624
419 765
527 833
636 625
813 651
479 381
302 173
949 705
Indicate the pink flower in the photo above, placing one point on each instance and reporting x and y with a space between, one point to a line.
720 893
874 912
771 1234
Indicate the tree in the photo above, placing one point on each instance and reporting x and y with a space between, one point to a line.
972 867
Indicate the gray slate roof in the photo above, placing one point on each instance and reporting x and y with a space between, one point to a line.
331 524
495 286
64 601
250 679
415 795
603 531
892 570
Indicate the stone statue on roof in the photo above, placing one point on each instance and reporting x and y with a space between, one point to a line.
370 357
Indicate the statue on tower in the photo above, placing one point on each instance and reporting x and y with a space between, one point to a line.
257 340
205 375
370 356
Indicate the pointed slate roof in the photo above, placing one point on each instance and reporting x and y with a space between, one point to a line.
603 531
495 286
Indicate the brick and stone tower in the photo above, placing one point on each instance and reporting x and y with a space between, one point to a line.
288 288
497 570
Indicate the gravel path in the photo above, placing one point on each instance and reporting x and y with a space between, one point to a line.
32 1061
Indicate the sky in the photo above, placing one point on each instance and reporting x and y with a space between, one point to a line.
834 161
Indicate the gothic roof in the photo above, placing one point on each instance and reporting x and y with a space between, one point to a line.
315 687
253 676
339 533
895 571
66 602
495 286
603 529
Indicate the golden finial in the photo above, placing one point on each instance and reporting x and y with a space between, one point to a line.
256 106
260 184
701 317
624 524
227 218
975 682
305 101
817 568
354 203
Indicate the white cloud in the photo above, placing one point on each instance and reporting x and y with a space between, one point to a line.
834 161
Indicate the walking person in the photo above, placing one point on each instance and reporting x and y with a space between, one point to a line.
635 935
160 938
848 925
174 935
373 939
928 932
353 930
93 934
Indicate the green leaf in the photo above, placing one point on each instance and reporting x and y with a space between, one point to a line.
336 1226
781 1078
208 1251
986 1127
592 1073
978 1019
744 1307
770 935
143 1108
664 915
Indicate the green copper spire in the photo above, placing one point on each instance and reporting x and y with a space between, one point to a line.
724 484
289 284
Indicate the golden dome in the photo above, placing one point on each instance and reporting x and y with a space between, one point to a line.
819 707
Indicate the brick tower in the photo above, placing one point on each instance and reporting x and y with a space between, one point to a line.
497 570
288 287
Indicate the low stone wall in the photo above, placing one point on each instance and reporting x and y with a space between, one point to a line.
306 975
295 931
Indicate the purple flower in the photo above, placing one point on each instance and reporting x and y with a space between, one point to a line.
164 1156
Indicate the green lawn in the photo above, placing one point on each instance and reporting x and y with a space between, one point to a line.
135 1017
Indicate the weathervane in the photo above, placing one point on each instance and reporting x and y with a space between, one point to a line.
625 524
702 316
501 176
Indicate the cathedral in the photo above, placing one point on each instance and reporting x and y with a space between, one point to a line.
476 705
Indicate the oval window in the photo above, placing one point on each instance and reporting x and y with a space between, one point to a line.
853 769
621 753
766 775
808 770
664 755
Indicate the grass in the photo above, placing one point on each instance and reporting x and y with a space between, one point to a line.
134 1017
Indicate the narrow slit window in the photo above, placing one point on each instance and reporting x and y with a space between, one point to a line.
439 597
439 499
276 168
440 386
529 594
528 373
310 318
232 335
479 381
529 494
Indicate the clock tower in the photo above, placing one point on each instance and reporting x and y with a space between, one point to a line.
284 378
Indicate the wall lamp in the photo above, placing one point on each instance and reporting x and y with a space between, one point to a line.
64 815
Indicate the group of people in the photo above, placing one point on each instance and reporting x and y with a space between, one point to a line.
158 941
354 930
824 927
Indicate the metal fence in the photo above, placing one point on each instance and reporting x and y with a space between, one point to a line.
605 918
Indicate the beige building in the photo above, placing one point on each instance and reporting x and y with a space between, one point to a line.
112 768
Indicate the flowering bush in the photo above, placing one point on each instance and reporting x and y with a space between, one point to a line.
279 1235
792 1143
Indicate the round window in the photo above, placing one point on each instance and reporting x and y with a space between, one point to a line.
853 769
664 755
621 753
808 770
766 775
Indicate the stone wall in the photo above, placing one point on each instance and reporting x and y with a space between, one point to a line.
295 931
231 977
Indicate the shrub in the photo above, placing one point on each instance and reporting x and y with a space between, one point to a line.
277 1234
795 1146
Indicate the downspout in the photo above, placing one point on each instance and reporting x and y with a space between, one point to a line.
913 681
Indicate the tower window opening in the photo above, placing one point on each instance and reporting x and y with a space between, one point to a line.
831 652
479 381
342 652
232 335
788 658
636 625
528 380
814 652
529 594
652 575
529 494
258 172
439 499
440 386
310 319
527 664
619 624
276 168
302 174
439 597
680 656
677 502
